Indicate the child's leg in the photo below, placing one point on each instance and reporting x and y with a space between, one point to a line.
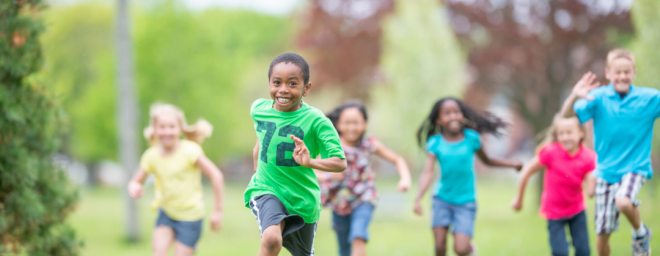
162 240
557 235
181 249
607 215
580 234
442 218
440 234
626 197
271 240
359 235
463 227
625 206
342 226
603 244
462 244
359 246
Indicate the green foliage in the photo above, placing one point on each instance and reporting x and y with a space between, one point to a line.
212 64
35 194
424 63
646 17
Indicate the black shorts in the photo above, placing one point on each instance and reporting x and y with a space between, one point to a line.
297 236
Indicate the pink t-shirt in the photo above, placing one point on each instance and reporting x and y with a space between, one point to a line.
562 187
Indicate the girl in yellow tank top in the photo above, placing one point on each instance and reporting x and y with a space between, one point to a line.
177 165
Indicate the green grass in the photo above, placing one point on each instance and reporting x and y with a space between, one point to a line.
394 229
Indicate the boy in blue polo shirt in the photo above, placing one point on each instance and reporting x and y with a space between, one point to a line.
623 117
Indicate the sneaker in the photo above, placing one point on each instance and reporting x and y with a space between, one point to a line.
641 245
475 251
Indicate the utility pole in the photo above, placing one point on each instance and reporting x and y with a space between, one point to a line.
127 113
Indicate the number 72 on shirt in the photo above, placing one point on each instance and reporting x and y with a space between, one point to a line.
270 128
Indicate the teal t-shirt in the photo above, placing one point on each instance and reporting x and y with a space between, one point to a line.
457 177
277 173
623 129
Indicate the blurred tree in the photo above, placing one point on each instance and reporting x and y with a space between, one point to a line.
343 39
422 62
646 17
534 51
127 112
35 194
210 63
80 65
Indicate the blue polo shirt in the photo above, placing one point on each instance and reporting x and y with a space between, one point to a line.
623 129
457 178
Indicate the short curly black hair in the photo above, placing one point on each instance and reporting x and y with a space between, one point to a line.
294 58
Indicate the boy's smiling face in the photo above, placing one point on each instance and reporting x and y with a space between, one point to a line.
287 87
620 72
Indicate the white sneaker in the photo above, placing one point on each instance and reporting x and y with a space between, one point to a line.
475 250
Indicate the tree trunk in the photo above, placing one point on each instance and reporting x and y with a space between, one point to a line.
127 113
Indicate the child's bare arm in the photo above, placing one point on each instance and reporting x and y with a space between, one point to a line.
332 164
580 90
401 166
532 167
425 180
302 157
211 171
135 185
591 185
255 156
498 162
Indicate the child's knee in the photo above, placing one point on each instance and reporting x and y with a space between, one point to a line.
160 250
624 204
463 250
271 239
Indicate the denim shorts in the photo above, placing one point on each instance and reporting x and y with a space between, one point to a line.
352 226
186 232
459 217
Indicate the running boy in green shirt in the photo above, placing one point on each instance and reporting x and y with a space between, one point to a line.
284 194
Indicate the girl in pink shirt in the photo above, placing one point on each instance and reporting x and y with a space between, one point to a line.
568 165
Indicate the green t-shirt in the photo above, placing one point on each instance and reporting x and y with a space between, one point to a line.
277 173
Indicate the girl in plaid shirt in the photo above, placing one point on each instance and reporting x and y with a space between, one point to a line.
352 194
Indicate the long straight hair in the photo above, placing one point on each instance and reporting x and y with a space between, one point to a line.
481 121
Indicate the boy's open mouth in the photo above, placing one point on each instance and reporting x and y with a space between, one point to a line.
283 100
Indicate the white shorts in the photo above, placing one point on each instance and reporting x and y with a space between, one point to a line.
607 214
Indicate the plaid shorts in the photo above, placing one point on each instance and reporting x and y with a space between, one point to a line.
607 214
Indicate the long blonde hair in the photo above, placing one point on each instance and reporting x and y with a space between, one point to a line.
197 132
549 135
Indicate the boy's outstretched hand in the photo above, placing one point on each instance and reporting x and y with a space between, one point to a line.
585 85
301 153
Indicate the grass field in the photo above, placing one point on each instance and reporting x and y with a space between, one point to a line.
394 230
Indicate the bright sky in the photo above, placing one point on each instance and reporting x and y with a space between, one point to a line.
274 7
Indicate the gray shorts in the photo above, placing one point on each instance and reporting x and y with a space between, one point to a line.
297 236
607 214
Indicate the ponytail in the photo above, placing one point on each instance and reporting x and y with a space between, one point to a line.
197 132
